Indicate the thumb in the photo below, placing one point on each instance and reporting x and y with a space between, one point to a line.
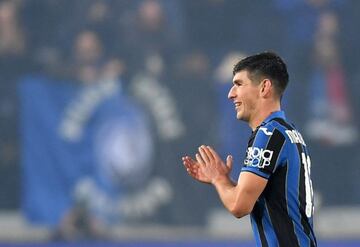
229 162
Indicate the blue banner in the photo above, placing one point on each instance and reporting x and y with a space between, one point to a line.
77 140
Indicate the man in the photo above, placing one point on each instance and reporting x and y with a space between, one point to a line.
274 185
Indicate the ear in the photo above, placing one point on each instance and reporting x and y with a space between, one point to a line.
265 87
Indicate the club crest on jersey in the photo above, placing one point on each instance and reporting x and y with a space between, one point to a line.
258 157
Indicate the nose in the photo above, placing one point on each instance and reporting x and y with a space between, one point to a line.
231 93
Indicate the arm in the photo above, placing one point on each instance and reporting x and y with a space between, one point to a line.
239 198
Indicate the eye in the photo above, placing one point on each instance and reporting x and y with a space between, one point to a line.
238 83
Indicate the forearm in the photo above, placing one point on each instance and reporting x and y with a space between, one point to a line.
227 191
239 198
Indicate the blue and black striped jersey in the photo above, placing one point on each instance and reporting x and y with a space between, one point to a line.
283 214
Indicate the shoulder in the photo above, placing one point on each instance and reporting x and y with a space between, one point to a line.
271 128
286 129
266 151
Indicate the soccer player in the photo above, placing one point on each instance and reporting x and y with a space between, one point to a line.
274 185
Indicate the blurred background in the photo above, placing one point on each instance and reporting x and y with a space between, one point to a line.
100 99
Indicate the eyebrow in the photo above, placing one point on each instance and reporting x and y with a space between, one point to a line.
238 81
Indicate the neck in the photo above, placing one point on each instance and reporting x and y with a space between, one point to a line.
263 112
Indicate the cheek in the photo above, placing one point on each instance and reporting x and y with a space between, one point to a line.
241 94
245 97
249 101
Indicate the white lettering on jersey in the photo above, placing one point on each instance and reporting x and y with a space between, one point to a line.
309 194
255 155
266 132
295 136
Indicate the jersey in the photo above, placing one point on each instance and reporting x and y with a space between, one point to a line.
283 213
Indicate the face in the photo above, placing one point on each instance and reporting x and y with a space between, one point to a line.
245 96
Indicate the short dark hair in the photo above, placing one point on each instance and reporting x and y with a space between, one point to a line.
265 65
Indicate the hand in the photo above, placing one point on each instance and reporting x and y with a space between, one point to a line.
193 168
208 166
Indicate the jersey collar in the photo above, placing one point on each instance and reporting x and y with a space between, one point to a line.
276 114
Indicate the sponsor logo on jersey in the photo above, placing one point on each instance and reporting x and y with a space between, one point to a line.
258 157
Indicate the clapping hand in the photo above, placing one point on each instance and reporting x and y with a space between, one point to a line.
208 166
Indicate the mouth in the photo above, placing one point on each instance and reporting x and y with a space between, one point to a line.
237 104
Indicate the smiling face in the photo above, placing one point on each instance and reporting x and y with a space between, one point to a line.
245 94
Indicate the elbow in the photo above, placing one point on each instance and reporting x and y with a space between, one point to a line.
240 212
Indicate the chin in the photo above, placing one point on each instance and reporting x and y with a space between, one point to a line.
241 117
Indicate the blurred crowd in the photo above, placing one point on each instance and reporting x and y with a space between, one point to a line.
174 59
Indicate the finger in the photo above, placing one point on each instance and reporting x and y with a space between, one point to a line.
203 154
185 160
213 152
189 170
186 157
208 153
188 160
191 167
199 160
191 161
188 165
193 171
229 162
